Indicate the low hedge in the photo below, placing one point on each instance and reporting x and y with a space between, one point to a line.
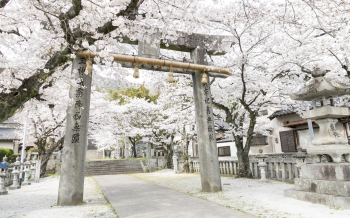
9 154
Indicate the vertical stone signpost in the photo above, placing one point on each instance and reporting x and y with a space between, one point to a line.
148 150
71 185
208 156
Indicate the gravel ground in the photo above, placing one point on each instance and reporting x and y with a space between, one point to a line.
39 200
262 199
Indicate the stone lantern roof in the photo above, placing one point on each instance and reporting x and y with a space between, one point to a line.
319 87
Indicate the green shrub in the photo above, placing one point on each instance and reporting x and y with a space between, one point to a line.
33 149
9 154
141 92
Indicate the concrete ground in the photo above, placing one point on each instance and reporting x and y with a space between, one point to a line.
134 198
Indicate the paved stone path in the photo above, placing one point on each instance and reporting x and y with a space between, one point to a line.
133 198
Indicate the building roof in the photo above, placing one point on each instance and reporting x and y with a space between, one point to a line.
7 133
280 113
225 140
10 121
221 125
297 123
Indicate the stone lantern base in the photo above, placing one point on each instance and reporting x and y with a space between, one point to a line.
333 153
323 183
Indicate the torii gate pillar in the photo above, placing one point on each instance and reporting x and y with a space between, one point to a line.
208 154
71 187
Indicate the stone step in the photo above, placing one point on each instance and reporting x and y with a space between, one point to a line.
111 167
317 198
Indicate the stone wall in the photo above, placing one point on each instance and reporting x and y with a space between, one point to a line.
94 155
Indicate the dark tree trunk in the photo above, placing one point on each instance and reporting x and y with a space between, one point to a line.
243 158
169 157
47 149
186 167
43 165
169 154
133 146
244 165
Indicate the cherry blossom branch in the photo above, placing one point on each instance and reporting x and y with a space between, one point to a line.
344 66
10 102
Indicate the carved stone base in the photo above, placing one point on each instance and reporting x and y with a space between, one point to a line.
26 183
326 171
337 188
333 153
14 187
317 198
323 183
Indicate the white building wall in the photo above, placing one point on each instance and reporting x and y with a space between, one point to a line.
233 148
7 144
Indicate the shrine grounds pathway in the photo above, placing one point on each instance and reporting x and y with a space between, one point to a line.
134 198
146 194
263 199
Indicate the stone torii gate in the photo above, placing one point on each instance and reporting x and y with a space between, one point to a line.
71 184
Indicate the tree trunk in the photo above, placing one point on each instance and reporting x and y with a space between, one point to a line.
43 165
244 165
169 157
133 147
49 148
169 154
186 167
243 158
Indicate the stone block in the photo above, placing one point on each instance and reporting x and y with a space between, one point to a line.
340 188
326 112
342 202
317 198
326 171
309 196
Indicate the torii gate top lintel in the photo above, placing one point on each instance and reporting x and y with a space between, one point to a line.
149 52
214 44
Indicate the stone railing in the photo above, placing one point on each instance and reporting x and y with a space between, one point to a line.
10 174
273 166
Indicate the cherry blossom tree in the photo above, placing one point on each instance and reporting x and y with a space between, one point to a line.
40 38
159 119
315 40
46 119
252 86
277 45
103 128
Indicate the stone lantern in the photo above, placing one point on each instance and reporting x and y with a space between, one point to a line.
329 141
262 164
324 183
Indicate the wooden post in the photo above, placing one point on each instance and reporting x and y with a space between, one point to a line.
71 187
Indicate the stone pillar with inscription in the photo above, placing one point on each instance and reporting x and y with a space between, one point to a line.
71 186
208 154
148 149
